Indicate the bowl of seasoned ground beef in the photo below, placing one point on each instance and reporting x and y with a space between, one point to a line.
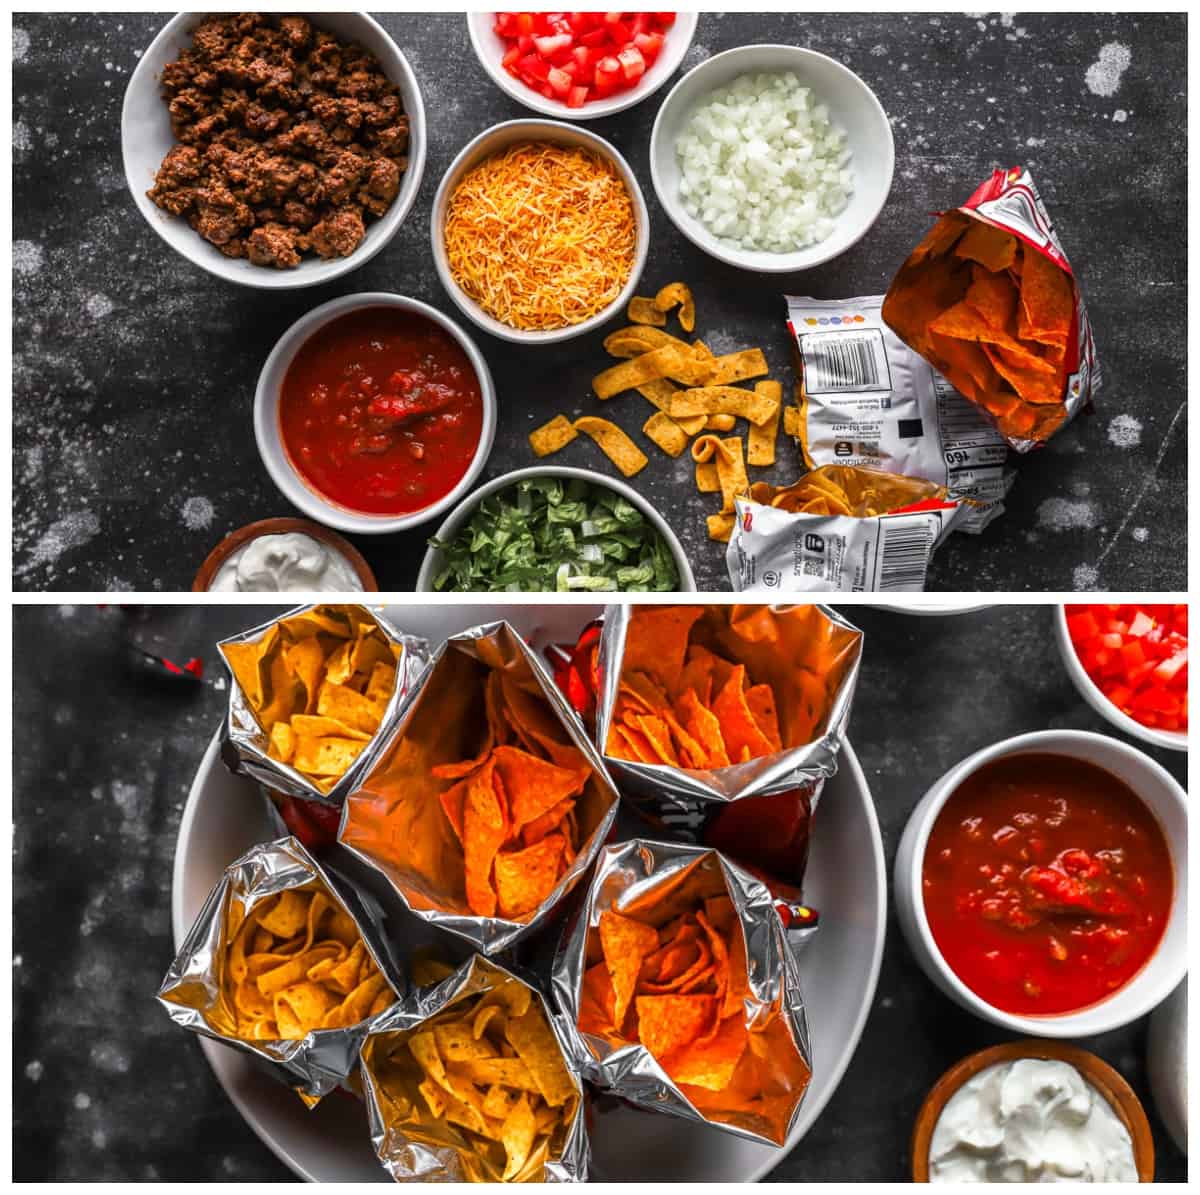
274 150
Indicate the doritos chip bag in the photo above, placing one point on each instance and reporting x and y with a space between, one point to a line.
467 1081
840 529
703 706
681 992
990 300
310 691
486 802
281 963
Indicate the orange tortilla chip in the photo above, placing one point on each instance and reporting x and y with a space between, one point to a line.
597 1005
534 785
1047 300
994 297
656 641
665 1023
525 878
738 725
485 828
760 699
626 944
993 248
712 1062
705 728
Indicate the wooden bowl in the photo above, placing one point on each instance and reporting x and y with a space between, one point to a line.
243 535
1096 1071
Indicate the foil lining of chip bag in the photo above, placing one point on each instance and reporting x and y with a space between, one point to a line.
866 398
193 990
778 645
393 820
634 874
774 551
412 1152
244 745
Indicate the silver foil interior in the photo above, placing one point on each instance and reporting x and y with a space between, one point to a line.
435 714
625 871
192 988
413 1161
244 745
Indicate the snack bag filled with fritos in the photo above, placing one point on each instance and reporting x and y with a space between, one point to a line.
486 802
284 963
681 992
721 723
309 694
840 529
990 300
467 1081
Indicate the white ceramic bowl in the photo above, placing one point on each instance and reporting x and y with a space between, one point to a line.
146 138
490 49
1176 740
853 107
839 967
1162 796
458 517
270 442
492 141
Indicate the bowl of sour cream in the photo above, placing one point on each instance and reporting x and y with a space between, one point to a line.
1032 1111
284 556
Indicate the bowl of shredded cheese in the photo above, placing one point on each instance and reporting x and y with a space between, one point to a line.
539 231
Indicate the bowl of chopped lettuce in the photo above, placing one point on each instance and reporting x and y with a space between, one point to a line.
555 530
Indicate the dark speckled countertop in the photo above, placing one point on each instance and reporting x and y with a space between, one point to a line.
134 371
105 1088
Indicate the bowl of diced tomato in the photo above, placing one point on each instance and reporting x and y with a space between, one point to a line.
580 65
1129 662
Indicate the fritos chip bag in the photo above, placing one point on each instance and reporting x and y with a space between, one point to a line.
865 398
990 300
283 964
840 529
681 992
467 1081
310 691
705 707
486 802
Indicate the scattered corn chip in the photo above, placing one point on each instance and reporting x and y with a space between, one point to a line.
552 436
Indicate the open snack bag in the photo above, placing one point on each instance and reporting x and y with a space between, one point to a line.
990 300
486 803
310 692
840 528
681 992
467 1081
721 723
281 964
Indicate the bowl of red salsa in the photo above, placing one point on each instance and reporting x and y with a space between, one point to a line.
1042 883
1130 664
374 413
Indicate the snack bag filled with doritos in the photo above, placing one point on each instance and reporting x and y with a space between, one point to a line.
721 723
990 300
841 529
486 802
681 993
285 964
309 694
466 1081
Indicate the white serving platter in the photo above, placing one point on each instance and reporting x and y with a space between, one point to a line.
846 881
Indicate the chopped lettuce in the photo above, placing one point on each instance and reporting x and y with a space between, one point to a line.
549 534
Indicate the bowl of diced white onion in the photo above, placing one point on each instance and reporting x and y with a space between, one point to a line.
772 158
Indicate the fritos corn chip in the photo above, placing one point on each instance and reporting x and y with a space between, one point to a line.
678 294
552 436
847 490
614 443
724 400
483 1076
760 444
731 466
318 684
666 433
644 311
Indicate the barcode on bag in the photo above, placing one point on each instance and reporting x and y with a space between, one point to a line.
904 549
838 362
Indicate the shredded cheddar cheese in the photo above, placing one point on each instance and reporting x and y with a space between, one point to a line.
541 236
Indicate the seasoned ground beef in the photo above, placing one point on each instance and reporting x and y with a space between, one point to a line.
287 136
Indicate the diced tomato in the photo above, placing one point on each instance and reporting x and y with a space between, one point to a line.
580 56
1137 656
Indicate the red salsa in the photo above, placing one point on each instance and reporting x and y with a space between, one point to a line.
1047 883
381 411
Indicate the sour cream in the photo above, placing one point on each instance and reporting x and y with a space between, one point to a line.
285 563
1030 1121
